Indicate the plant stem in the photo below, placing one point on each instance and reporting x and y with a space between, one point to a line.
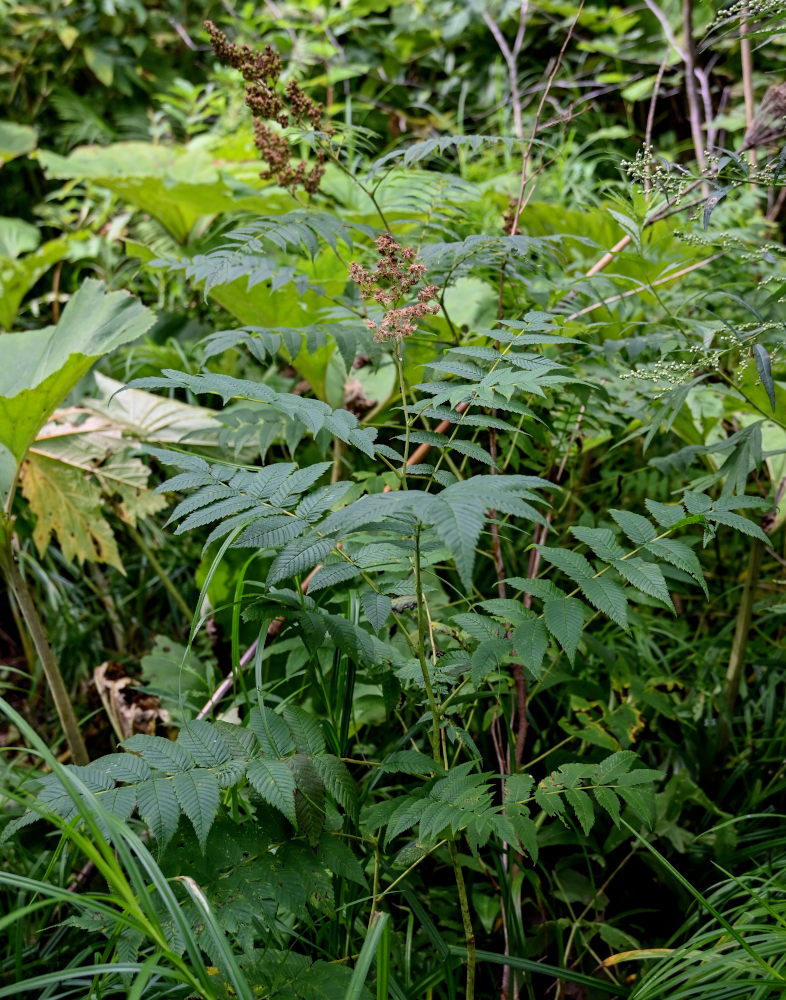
740 641
422 654
466 919
694 111
65 710
159 570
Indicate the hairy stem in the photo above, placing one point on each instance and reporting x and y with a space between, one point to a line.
65 710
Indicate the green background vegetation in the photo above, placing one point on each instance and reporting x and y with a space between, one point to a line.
341 665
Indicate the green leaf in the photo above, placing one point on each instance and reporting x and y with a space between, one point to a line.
309 798
377 609
611 767
645 577
583 808
275 782
160 753
338 781
486 658
530 641
608 597
564 617
271 732
306 731
298 555
764 368
204 743
680 555
572 564
458 522
607 800
197 793
743 524
638 529
158 807
601 541
39 368
666 514
409 762
641 802
16 140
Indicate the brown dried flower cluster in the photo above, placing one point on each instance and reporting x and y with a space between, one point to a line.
396 274
509 221
261 72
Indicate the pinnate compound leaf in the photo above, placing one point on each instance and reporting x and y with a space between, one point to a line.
309 798
197 793
410 762
608 800
601 540
583 808
160 753
159 808
743 524
564 617
298 555
608 597
638 529
377 608
458 521
680 555
272 732
612 767
204 743
666 514
306 731
640 801
645 577
274 781
338 781
572 564
530 641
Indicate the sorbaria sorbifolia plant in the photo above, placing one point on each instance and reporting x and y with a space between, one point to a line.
406 566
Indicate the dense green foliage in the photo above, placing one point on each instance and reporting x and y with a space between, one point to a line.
393 469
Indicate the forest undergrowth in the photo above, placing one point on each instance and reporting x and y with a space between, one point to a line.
393 479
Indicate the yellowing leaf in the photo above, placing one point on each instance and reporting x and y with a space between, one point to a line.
65 502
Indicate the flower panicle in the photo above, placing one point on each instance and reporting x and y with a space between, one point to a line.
395 275
261 72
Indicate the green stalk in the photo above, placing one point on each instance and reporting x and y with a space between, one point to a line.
24 601
740 641
421 651
159 570
466 920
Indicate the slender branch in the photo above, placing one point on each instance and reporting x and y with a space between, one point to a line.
740 641
746 57
159 570
635 291
651 115
65 709
694 111
510 55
